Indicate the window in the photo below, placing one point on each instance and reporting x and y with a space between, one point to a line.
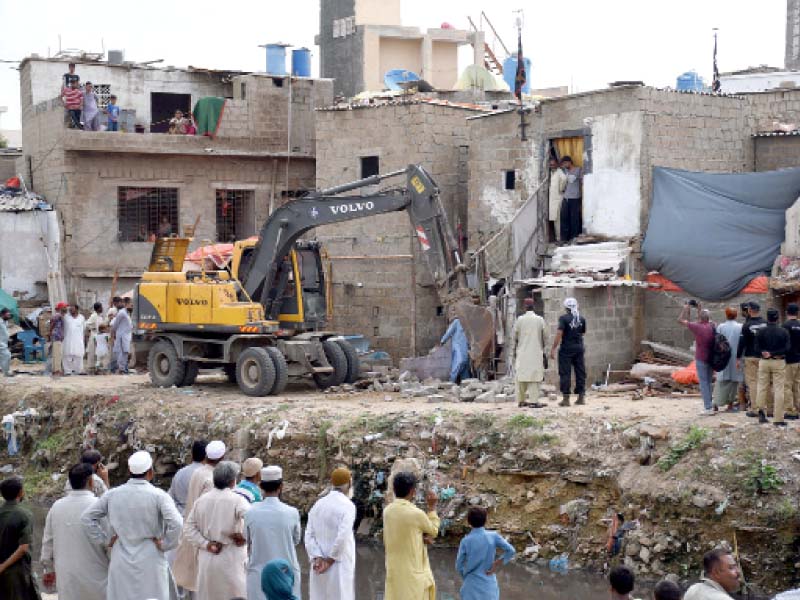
235 218
370 165
511 180
147 213
103 91
163 106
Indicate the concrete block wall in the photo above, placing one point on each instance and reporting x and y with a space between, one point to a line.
610 322
773 153
376 258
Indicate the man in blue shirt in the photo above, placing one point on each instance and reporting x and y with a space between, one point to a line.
112 110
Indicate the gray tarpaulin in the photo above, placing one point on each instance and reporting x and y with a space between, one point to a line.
712 233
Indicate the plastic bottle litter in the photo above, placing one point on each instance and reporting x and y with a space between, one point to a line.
559 564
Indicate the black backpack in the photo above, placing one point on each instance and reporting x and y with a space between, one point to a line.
720 351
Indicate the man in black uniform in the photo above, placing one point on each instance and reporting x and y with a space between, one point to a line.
772 343
791 389
747 349
571 328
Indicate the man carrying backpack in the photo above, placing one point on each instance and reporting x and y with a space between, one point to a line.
730 377
703 332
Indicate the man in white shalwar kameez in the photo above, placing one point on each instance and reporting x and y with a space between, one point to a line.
528 341
330 543
76 564
145 524
273 531
215 526
184 565
73 347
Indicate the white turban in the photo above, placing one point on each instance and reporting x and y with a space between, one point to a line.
572 304
215 450
140 462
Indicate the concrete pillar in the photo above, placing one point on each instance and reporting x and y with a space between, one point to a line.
427 59
478 47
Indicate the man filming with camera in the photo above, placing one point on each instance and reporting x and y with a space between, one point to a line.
703 332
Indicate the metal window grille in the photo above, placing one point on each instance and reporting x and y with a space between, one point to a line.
235 218
146 213
103 91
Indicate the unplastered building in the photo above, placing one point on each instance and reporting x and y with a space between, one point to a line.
116 191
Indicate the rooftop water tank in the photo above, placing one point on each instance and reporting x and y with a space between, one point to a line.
690 82
276 59
116 57
301 62
510 73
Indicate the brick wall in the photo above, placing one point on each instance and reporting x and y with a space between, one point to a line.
381 287
609 314
773 153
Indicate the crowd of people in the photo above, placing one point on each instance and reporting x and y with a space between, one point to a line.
762 375
213 537
99 344
83 108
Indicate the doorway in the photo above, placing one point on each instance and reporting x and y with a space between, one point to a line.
163 106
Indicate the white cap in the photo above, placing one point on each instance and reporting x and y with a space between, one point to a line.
140 462
271 473
215 450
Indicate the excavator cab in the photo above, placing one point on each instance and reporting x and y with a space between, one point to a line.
299 280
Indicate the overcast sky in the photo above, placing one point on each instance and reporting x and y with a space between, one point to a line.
581 43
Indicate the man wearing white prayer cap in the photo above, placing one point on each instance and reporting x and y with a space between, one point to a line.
273 531
186 560
146 524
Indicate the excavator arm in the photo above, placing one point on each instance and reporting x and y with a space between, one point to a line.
265 276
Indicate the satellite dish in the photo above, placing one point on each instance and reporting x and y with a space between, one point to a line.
395 77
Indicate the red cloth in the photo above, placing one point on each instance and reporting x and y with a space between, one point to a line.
13 182
703 338
687 375
72 98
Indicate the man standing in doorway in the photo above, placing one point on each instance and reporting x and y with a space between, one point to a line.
273 531
571 353
558 184
703 332
772 344
528 343
5 353
791 388
747 350
571 217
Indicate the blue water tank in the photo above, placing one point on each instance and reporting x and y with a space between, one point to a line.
510 73
301 62
276 59
690 82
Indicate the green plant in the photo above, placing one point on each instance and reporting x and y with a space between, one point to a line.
695 437
763 478
481 422
52 443
525 422
787 510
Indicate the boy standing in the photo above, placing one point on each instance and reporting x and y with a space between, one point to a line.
70 76
91 112
113 114
72 99
101 353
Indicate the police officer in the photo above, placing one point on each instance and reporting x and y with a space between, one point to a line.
747 349
772 343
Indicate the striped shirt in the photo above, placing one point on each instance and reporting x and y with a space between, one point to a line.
72 98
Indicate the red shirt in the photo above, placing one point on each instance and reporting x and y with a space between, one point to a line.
703 338
72 98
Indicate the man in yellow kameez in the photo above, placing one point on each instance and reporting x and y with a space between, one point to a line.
406 531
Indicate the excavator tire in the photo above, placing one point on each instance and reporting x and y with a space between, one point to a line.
255 372
230 372
353 362
281 371
337 359
192 368
166 369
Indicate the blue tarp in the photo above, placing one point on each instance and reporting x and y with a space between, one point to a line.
712 233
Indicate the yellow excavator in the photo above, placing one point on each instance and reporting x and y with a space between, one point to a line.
264 319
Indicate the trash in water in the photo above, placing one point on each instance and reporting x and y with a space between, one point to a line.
447 493
559 564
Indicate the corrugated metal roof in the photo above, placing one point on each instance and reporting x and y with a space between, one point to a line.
383 101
